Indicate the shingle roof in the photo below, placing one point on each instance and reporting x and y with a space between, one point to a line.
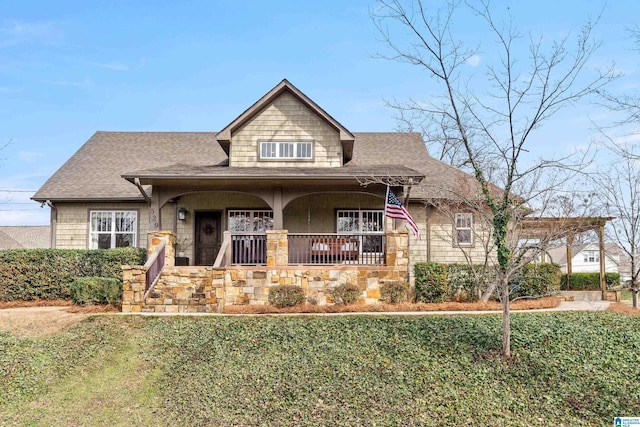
408 148
94 171
24 237
184 171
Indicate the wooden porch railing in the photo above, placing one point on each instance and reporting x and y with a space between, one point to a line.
153 267
248 248
336 248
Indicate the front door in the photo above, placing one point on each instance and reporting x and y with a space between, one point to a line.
207 234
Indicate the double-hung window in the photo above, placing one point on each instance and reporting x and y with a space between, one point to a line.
369 223
591 256
464 228
113 229
286 150
250 221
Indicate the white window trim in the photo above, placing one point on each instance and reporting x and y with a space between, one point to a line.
252 214
113 231
361 213
456 228
277 150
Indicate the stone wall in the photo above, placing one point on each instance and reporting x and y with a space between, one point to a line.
206 289
209 289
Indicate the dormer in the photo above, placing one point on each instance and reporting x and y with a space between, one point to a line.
285 128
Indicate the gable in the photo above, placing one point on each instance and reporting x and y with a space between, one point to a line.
285 120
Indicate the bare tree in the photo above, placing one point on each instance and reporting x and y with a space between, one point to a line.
494 128
619 193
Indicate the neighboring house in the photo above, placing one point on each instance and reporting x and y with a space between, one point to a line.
25 237
585 258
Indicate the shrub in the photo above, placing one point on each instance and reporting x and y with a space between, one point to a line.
581 281
431 281
461 283
395 292
346 293
96 290
286 296
29 274
538 280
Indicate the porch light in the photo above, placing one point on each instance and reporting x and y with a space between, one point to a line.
182 214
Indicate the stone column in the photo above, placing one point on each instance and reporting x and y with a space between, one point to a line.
277 248
154 238
397 248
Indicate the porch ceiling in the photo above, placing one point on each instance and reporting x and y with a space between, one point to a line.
181 173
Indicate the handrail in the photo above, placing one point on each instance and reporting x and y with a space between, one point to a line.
219 262
153 268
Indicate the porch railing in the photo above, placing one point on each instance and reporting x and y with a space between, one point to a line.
153 267
248 248
336 248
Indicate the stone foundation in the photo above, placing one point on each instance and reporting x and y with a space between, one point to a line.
208 290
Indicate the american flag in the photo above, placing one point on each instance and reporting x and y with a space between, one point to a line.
393 208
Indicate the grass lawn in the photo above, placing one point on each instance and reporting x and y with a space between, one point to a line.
578 368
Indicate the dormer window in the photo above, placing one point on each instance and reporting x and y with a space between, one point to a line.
286 150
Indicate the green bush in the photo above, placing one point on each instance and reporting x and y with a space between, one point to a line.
431 281
395 292
457 282
461 283
286 296
96 290
346 293
29 274
582 281
537 280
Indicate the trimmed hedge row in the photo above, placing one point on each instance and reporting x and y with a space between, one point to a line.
456 282
29 274
581 281
96 290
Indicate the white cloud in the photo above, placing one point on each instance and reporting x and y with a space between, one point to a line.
474 60
15 33
81 84
114 66
30 156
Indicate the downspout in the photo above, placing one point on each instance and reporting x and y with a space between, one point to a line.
54 223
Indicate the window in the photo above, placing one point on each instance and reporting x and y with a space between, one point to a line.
591 256
368 222
361 221
464 226
250 221
113 229
286 150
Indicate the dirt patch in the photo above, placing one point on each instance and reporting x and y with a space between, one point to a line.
38 320
548 302
620 307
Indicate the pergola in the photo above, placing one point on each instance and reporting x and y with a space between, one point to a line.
552 228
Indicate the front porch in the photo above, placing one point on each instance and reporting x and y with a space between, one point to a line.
160 286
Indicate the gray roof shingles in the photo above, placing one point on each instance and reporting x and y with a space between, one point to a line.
95 171
25 237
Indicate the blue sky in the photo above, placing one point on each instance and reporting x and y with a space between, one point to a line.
70 68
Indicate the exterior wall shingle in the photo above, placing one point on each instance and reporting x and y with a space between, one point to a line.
286 119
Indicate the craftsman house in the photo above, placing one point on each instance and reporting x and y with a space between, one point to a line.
283 168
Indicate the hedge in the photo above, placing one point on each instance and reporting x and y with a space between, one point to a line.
96 290
457 282
29 274
581 281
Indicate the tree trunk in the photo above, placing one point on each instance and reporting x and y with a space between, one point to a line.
488 292
634 293
506 319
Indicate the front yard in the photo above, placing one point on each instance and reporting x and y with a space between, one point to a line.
569 368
